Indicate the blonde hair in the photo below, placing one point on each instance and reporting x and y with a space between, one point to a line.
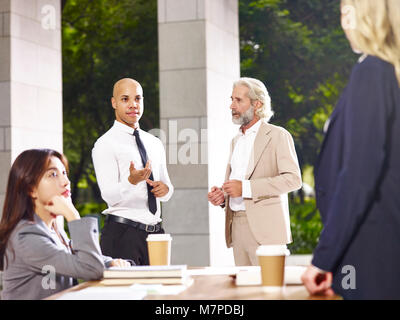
257 92
377 29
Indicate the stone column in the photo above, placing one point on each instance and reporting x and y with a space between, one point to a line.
198 61
30 80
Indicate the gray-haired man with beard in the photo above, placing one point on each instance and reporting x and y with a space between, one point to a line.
262 169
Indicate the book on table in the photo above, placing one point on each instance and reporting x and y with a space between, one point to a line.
146 272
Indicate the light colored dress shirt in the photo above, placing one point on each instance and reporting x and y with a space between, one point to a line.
242 155
112 154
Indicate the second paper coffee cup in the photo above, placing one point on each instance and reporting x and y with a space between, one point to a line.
159 248
272 263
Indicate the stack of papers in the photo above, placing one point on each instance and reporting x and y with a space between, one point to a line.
175 274
102 293
133 292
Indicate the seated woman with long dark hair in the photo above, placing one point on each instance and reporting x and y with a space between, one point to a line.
37 258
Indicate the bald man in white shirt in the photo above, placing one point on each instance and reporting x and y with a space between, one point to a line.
262 169
131 171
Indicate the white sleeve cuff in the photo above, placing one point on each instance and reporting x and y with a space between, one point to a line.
246 189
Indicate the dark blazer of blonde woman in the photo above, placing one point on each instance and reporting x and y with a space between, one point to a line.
357 180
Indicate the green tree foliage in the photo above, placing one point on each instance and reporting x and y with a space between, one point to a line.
298 49
103 41
306 226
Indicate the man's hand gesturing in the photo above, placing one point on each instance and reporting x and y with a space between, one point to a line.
137 176
160 189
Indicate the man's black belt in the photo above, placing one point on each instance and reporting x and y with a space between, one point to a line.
145 227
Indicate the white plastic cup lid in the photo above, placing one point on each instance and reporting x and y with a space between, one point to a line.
272 250
159 237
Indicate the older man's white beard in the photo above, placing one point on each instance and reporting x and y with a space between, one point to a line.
245 117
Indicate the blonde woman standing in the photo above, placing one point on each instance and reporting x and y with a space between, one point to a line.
357 175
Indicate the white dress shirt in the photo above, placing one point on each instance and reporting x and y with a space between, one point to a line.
242 155
112 154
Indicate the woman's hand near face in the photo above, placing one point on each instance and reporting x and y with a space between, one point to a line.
59 205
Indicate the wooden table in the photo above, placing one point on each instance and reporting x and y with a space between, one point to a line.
219 287
222 287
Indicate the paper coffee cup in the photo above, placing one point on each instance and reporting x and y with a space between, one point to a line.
272 265
159 248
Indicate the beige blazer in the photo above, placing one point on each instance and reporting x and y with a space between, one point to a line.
273 171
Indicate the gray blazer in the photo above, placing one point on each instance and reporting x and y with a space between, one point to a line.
41 265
